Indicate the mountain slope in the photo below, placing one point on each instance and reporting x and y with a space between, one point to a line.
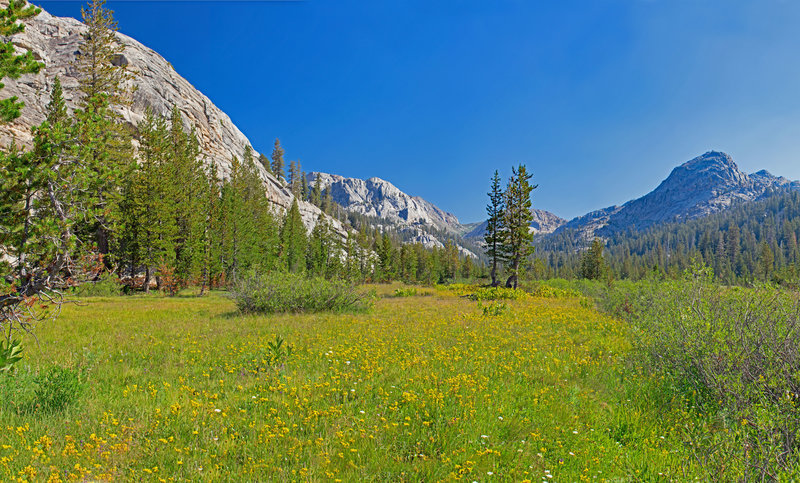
55 41
379 198
543 223
707 184
415 219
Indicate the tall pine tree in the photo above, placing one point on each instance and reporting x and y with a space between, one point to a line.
277 160
495 228
517 218
105 143
293 240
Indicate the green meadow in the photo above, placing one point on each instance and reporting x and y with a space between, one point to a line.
427 386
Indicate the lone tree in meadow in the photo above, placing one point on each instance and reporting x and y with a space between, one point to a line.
517 217
495 228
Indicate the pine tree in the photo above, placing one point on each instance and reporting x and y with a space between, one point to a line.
150 224
383 247
293 240
295 183
248 232
105 143
323 249
517 219
13 65
101 66
265 162
211 269
277 160
316 192
495 229
593 265
327 200
766 260
451 260
183 157
41 201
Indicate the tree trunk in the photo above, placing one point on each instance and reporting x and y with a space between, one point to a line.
205 281
147 276
512 281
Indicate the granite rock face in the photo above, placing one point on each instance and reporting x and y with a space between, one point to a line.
381 199
55 41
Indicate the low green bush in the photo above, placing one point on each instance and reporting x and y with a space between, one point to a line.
732 353
107 285
547 291
276 292
50 391
497 293
405 292
56 389
458 289
495 309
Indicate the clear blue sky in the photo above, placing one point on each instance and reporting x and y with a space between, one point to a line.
600 98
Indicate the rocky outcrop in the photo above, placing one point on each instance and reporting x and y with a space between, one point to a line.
543 223
707 184
55 41
381 199
417 220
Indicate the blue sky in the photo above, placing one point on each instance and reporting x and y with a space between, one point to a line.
599 98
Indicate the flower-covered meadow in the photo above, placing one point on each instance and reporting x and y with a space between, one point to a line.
422 388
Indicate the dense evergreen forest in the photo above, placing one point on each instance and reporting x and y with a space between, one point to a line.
745 243
207 230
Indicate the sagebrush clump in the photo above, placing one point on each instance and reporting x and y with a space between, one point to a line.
277 292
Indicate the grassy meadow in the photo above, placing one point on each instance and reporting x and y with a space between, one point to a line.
427 387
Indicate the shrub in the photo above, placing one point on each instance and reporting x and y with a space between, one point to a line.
56 389
405 292
10 354
108 285
458 289
287 292
493 309
497 293
735 353
546 291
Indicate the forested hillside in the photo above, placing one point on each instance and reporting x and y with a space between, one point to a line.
756 240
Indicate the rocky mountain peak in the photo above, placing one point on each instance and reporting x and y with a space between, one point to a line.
379 198
701 186
713 170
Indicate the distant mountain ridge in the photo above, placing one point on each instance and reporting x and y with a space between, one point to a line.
707 184
380 198
543 223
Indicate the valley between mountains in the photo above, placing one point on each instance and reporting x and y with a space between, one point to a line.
179 304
